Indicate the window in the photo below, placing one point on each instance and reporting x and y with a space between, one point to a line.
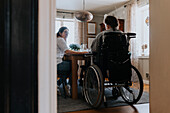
143 28
70 24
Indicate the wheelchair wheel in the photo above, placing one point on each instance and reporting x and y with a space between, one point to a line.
93 86
132 93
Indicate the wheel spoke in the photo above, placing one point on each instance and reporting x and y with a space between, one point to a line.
133 93
93 88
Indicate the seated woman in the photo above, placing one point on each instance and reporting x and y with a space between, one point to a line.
111 25
63 67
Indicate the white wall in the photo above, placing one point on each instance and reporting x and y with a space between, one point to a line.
142 2
120 13
159 56
98 19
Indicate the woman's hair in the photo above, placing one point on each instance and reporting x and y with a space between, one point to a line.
61 31
112 21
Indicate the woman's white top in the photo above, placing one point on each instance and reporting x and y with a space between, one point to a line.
61 48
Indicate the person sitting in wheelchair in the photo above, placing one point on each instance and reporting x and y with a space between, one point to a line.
116 52
111 59
111 24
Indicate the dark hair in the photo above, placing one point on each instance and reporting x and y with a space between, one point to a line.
112 21
61 30
102 27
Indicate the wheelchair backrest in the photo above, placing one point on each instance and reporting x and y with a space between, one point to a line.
114 45
114 56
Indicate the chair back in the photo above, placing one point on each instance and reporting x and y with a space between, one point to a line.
114 60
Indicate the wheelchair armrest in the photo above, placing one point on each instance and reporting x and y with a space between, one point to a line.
131 35
89 54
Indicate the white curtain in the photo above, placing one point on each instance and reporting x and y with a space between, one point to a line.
78 39
131 27
79 32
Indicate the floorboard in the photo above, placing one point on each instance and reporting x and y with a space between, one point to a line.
140 108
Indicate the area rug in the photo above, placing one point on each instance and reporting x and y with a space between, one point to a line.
68 104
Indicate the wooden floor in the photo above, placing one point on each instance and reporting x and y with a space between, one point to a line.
140 108
146 88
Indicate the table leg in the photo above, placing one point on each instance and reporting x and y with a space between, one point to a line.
74 79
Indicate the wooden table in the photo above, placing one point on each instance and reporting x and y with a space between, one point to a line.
74 58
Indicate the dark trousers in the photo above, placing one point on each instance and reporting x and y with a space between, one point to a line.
64 72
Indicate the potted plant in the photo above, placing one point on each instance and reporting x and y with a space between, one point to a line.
74 47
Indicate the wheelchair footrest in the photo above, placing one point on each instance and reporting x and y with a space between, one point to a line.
118 85
108 84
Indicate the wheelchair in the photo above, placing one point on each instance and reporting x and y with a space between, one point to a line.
112 69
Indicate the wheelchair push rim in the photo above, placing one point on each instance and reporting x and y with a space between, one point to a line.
93 86
132 94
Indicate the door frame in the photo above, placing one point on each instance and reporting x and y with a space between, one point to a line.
47 95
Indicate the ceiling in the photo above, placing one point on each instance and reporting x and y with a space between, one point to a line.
94 6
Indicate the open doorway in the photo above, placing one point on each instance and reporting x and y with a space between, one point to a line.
122 12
